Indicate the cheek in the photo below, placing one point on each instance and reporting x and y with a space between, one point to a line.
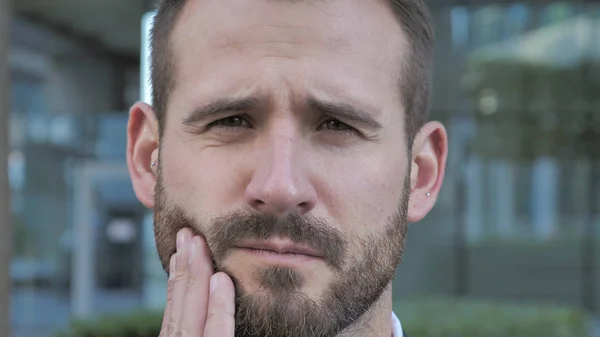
364 193
205 180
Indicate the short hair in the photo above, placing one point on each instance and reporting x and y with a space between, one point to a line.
414 82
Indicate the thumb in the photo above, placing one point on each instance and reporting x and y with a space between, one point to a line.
220 319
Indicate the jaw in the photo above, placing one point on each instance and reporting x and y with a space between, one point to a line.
376 322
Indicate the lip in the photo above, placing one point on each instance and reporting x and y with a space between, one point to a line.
280 246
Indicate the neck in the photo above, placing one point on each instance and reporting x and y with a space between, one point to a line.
377 322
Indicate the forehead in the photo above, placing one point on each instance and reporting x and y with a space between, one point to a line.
372 19
337 38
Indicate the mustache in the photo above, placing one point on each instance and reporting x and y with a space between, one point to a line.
227 231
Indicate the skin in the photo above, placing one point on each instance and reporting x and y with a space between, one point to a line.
281 155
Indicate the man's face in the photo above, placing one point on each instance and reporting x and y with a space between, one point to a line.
284 146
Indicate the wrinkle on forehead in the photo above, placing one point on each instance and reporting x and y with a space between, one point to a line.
299 40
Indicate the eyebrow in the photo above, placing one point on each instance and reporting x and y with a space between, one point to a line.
345 111
221 106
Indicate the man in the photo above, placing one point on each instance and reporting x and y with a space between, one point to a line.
286 151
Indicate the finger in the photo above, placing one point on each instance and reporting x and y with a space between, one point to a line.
220 319
165 322
196 298
180 280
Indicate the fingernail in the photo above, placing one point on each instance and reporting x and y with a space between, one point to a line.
214 283
172 268
182 239
194 250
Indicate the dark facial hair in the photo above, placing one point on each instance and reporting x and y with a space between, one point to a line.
361 272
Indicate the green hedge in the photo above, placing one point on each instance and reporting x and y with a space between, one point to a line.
139 324
471 318
420 318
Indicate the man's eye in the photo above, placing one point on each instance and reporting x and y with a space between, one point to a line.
231 122
336 126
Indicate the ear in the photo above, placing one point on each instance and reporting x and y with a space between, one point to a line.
142 151
429 153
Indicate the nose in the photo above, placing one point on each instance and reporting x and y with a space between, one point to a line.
280 183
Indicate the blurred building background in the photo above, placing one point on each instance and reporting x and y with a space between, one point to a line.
516 83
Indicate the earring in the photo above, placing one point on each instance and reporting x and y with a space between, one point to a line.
428 194
153 164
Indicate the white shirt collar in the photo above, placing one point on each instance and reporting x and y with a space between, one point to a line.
396 326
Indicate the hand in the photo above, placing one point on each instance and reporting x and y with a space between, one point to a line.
199 304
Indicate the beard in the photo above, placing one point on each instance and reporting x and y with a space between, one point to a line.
363 267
